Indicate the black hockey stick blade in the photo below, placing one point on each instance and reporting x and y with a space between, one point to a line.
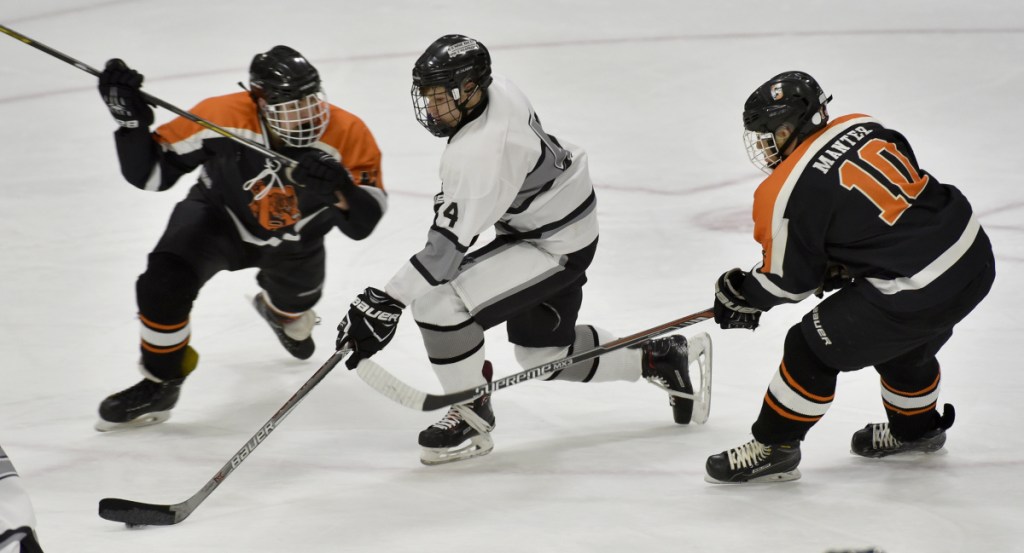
394 389
134 513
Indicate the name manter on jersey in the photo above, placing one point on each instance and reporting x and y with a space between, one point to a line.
503 170
853 194
263 217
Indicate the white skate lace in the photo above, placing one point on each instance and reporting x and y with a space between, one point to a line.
451 420
748 454
881 438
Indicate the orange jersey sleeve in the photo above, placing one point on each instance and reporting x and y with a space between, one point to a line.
235 113
356 145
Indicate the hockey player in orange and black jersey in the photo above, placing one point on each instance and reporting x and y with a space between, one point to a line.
246 210
847 206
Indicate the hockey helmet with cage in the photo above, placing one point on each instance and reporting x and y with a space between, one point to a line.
449 62
793 100
287 91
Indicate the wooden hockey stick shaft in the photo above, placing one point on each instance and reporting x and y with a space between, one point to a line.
134 513
153 100
394 389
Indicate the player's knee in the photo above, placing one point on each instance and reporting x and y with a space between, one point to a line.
168 287
798 355
450 334
440 307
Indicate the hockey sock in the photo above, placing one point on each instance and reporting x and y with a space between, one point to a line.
456 353
165 293
620 365
910 396
799 394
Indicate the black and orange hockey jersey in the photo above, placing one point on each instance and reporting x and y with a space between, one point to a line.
265 211
853 194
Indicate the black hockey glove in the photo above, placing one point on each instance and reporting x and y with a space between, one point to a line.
320 173
731 308
369 325
120 89
836 277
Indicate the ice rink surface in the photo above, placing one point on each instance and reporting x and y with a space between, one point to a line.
653 90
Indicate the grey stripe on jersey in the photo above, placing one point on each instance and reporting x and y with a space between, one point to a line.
581 212
439 260
540 179
6 466
525 285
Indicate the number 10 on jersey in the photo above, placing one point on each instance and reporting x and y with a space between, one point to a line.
897 171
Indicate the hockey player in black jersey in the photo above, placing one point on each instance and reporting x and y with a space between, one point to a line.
846 206
245 211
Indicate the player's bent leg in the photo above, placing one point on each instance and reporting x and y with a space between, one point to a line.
910 394
165 293
798 396
455 345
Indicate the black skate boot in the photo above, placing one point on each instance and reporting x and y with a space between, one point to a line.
875 440
146 403
294 333
755 462
471 421
143 404
666 364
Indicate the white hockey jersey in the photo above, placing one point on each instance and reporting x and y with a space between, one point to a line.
501 169
17 517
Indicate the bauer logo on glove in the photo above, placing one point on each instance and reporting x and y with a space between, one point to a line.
372 313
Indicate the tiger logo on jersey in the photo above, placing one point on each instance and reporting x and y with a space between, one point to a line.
278 209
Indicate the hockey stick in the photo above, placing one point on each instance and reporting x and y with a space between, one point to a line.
153 100
134 513
394 389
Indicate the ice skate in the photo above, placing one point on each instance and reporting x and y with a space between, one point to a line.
445 440
755 462
144 404
294 332
666 364
875 440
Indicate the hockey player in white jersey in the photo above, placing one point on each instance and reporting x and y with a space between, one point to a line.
17 517
501 169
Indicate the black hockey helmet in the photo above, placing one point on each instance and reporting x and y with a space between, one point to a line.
450 61
281 74
793 99
286 88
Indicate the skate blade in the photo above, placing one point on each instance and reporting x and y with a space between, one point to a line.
149 419
897 456
478 445
700 352
766 479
